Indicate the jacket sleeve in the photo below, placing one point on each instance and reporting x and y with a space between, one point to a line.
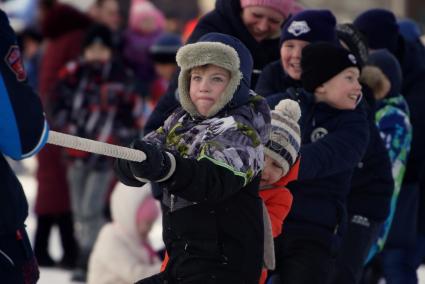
338 151
396 132
23 128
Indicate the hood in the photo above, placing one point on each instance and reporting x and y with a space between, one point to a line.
124 204
61 19
221 50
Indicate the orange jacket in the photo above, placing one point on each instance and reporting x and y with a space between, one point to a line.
278 199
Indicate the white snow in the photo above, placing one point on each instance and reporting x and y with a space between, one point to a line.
60 276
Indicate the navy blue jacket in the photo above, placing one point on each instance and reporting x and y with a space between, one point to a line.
340 138
372 183
411 55
226 19
23 129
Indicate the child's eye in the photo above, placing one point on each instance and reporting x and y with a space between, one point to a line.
217 79
196 78
258 16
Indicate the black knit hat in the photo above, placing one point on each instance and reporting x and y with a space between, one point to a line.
98 34
322 61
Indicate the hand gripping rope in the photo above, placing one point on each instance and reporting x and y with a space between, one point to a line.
96 147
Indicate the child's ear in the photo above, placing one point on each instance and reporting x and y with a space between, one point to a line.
320 90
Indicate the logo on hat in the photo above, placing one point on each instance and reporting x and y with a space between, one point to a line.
352 58
14 61
318 133
298 28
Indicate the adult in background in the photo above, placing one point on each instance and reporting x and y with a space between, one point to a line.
63 28
399 256
23 132
257 23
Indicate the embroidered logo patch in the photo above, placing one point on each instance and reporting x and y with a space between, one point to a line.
318 133
298 28
352 58
14 61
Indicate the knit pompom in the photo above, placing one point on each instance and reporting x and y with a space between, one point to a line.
289 108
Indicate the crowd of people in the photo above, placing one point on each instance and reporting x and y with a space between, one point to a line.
281 146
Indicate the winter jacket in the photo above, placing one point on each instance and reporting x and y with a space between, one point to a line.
225 18
215 185
119 256
333 143
23 128
98 102
372 184
136 56
64 29
411 56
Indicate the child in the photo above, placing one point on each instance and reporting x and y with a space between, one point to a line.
96 100
207 158
383 75
125 240
280 167
145 24
334 138
301 30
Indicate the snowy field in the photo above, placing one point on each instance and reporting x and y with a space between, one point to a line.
59 276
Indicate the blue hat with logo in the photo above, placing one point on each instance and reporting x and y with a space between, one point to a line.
311 26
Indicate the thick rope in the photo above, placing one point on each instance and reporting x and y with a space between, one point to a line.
96 147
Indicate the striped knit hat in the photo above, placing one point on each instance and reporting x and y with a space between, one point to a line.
285 138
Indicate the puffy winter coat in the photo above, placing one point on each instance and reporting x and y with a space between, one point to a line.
118 255
23 128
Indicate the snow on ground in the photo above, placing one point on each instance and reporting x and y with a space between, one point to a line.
60 276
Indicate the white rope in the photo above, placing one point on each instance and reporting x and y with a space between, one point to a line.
96 147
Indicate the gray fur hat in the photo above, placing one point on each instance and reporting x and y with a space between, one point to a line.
202 53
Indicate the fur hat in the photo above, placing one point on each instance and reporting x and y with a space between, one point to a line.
165 48
282 6
379 27
321 61
285 137
145 18
311 26
221 50
354 40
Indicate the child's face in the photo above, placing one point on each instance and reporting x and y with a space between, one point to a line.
165 70
97 53
342 91
290 56
207 84
144 227
272 172
262 22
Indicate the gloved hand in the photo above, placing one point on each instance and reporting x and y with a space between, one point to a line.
158 166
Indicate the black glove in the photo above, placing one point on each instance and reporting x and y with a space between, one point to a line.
158 166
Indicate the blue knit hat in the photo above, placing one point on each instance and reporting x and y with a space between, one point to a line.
311 26
379 27
165 48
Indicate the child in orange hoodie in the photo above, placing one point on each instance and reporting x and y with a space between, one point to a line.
280 167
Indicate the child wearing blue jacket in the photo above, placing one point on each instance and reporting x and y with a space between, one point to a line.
334 138
23 132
